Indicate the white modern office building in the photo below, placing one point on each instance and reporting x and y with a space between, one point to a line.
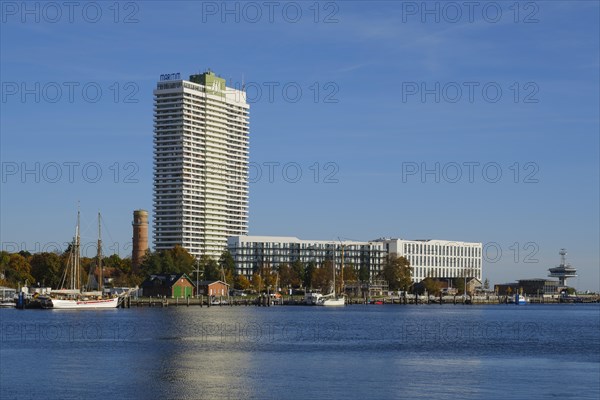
254 252
200 163
438 258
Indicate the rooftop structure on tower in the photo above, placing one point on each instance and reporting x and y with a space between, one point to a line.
564 270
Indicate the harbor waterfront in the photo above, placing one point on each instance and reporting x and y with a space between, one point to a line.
357 352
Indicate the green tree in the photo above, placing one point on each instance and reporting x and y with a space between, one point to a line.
175 260
459 284
299 270
397 272
486 284
182 260
151 263
227 262
364 275
118 263
46 268
285 275
308 274
210 268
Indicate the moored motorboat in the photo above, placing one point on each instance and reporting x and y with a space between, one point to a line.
312 298
520 299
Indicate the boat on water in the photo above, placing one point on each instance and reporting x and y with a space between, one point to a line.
332 299
7 303
81 303
71 296
520 299
7 297
312 298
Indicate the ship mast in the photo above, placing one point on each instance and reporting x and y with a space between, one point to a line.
333 269
342 272
99 263
75 274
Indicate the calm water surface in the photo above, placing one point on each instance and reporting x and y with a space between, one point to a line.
358 352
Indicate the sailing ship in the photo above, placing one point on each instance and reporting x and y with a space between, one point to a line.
331 299
71 296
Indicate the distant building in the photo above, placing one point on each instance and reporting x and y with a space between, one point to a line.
140 237
168 285
213 288
540 286
438 258
250 253
201 130
506 289
530 287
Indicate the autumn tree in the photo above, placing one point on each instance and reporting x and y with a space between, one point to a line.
288 276
257 283
15 269
241 282
120 269
350 274
433 286
4 259
285 275
397 272
322 278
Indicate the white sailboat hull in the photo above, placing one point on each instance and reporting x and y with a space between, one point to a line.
84 304
332 302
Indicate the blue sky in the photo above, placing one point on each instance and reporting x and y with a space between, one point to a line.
385 94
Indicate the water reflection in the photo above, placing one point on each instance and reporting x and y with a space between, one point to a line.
301 352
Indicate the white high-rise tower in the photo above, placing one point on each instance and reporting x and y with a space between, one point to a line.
200 163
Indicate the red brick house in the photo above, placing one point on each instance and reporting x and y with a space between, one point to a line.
213 288
168 285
